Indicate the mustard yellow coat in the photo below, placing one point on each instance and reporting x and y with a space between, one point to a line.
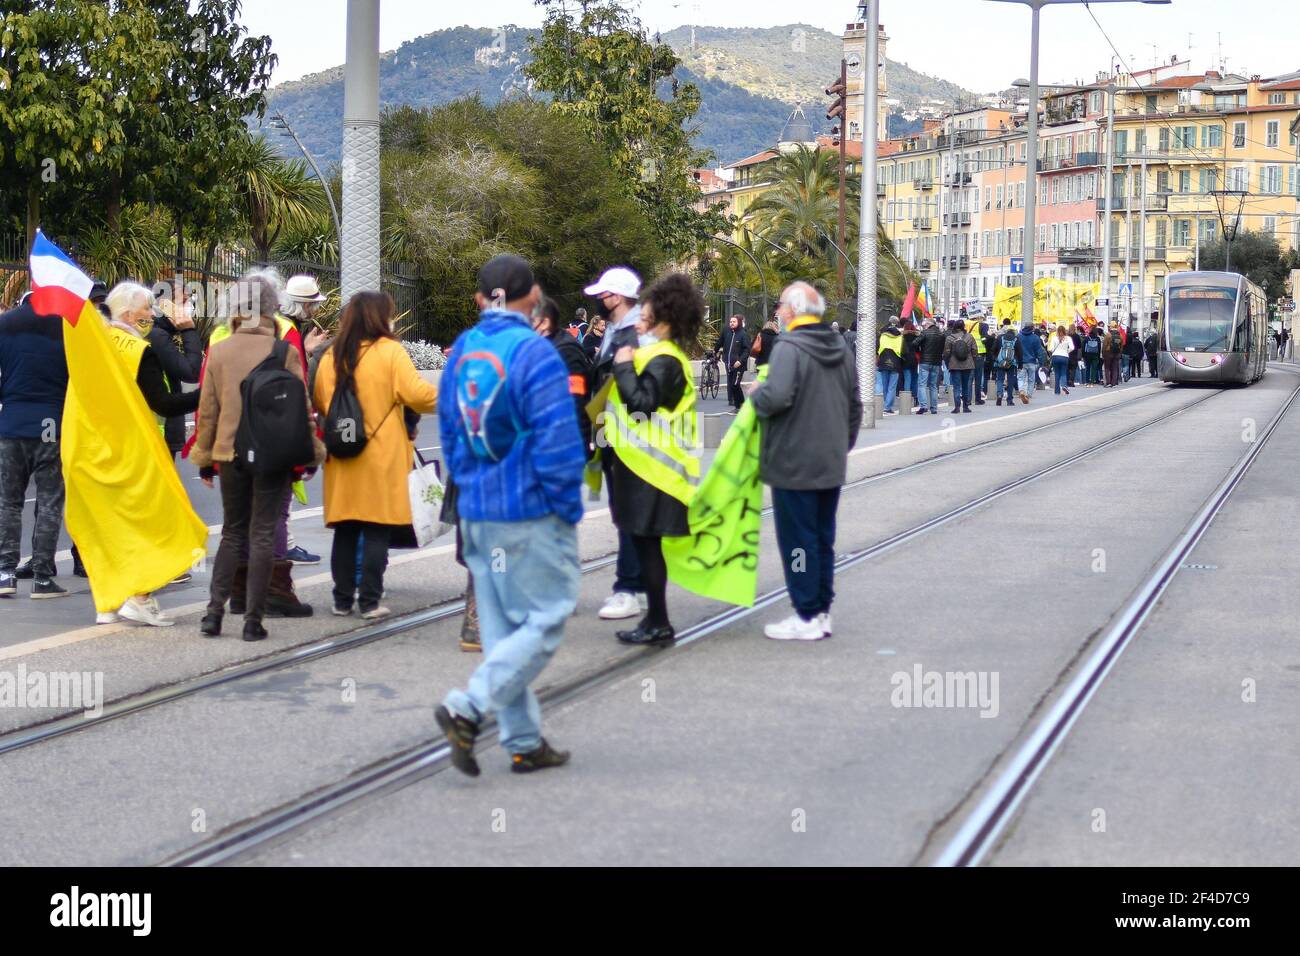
372 486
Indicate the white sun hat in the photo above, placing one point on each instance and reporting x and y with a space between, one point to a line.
620 280
303 289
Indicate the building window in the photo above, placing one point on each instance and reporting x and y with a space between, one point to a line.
1184 180
1209 180
1270 225
1239 135
1182 232
1239 178
1276 99
1211 136
1209 229
1270 179
1042 238
1272 133
1164 140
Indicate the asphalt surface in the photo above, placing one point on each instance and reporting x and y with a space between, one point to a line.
741 750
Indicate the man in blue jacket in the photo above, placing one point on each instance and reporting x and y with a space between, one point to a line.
1033 354
33 383
511 444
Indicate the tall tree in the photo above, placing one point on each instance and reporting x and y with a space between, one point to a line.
1256 255
274 193
598 65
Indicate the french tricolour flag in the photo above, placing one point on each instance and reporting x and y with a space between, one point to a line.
58 286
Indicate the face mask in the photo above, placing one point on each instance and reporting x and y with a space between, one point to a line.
145 326
646 338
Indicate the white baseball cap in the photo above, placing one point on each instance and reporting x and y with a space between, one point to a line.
620 280
303 289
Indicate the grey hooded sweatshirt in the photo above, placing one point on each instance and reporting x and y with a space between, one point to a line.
810 410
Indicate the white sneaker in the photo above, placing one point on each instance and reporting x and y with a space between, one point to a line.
145 611
619 605
795 628
375 613
107 617
824 619
642 601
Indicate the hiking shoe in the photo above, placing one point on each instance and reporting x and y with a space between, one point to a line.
471 645
44 588
300 555
461 733
795 628
144 611
539 759
8 583
24 571
649 636
619 605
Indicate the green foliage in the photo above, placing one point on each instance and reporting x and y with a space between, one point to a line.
465 181
137 249
275 193
602 70
791 229
1256 255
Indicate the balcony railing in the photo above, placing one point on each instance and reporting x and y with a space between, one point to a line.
1156 202
1154 253
880 190
923 223
957 179
923 265
1077 255
923 182
959 262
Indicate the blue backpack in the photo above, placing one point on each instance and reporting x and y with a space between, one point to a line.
482 370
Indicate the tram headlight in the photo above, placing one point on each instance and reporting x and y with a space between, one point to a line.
1182 359
1216 359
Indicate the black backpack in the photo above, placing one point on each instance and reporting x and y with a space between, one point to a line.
345 422
960 348
274 434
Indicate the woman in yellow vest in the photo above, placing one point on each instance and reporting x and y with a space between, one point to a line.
130 308
650 423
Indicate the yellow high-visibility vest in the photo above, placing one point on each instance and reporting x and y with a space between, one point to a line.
892 342
131 350
661 449
973 326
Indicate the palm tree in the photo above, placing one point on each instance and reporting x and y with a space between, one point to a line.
800 215
276 194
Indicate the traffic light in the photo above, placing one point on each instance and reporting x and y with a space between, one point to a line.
838 91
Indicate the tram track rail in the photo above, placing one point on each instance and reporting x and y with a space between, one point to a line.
400 624
1009 784
418 762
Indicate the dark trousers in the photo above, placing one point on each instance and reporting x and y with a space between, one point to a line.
735 394
23 460
250 506
654 572
1111 363
373 540
961 387
1005 383
1093 373
1151 364
805 533
978 378
627 569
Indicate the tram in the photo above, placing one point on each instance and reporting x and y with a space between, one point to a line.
1214 328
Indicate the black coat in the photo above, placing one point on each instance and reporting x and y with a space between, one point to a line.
930 344
181 362
734 346
637 507
579 368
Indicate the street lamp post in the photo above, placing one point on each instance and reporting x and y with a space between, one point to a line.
867 235
1031 172
279 122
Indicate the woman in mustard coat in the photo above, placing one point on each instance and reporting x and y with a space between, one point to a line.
367 495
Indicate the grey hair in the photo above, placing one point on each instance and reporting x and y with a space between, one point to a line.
293 309
256 295
126 296
803 299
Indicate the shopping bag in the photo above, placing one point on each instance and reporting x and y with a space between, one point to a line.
1042 376
426 494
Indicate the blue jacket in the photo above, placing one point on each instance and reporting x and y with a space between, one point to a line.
1031 347
33 373
542 473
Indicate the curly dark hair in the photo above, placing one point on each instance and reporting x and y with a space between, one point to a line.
674 300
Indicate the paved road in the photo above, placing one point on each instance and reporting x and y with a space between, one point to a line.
753 751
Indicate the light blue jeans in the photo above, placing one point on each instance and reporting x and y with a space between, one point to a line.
526 584
887 385
1029 378
927 387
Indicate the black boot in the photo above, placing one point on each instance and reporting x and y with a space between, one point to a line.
210 626
281 601
253 630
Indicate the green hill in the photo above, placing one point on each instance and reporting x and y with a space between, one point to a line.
750 81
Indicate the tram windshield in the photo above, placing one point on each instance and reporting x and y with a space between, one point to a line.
1199 318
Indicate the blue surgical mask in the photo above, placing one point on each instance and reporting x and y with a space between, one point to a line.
646 338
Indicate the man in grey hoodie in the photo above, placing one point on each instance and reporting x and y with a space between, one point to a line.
811 411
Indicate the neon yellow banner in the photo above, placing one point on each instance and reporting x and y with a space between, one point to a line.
1056 301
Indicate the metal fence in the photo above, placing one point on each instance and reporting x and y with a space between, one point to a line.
757 308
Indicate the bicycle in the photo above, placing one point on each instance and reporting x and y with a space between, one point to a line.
709 375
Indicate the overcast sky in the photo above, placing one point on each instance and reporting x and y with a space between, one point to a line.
980 44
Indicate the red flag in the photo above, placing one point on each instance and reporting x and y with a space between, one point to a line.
909 302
